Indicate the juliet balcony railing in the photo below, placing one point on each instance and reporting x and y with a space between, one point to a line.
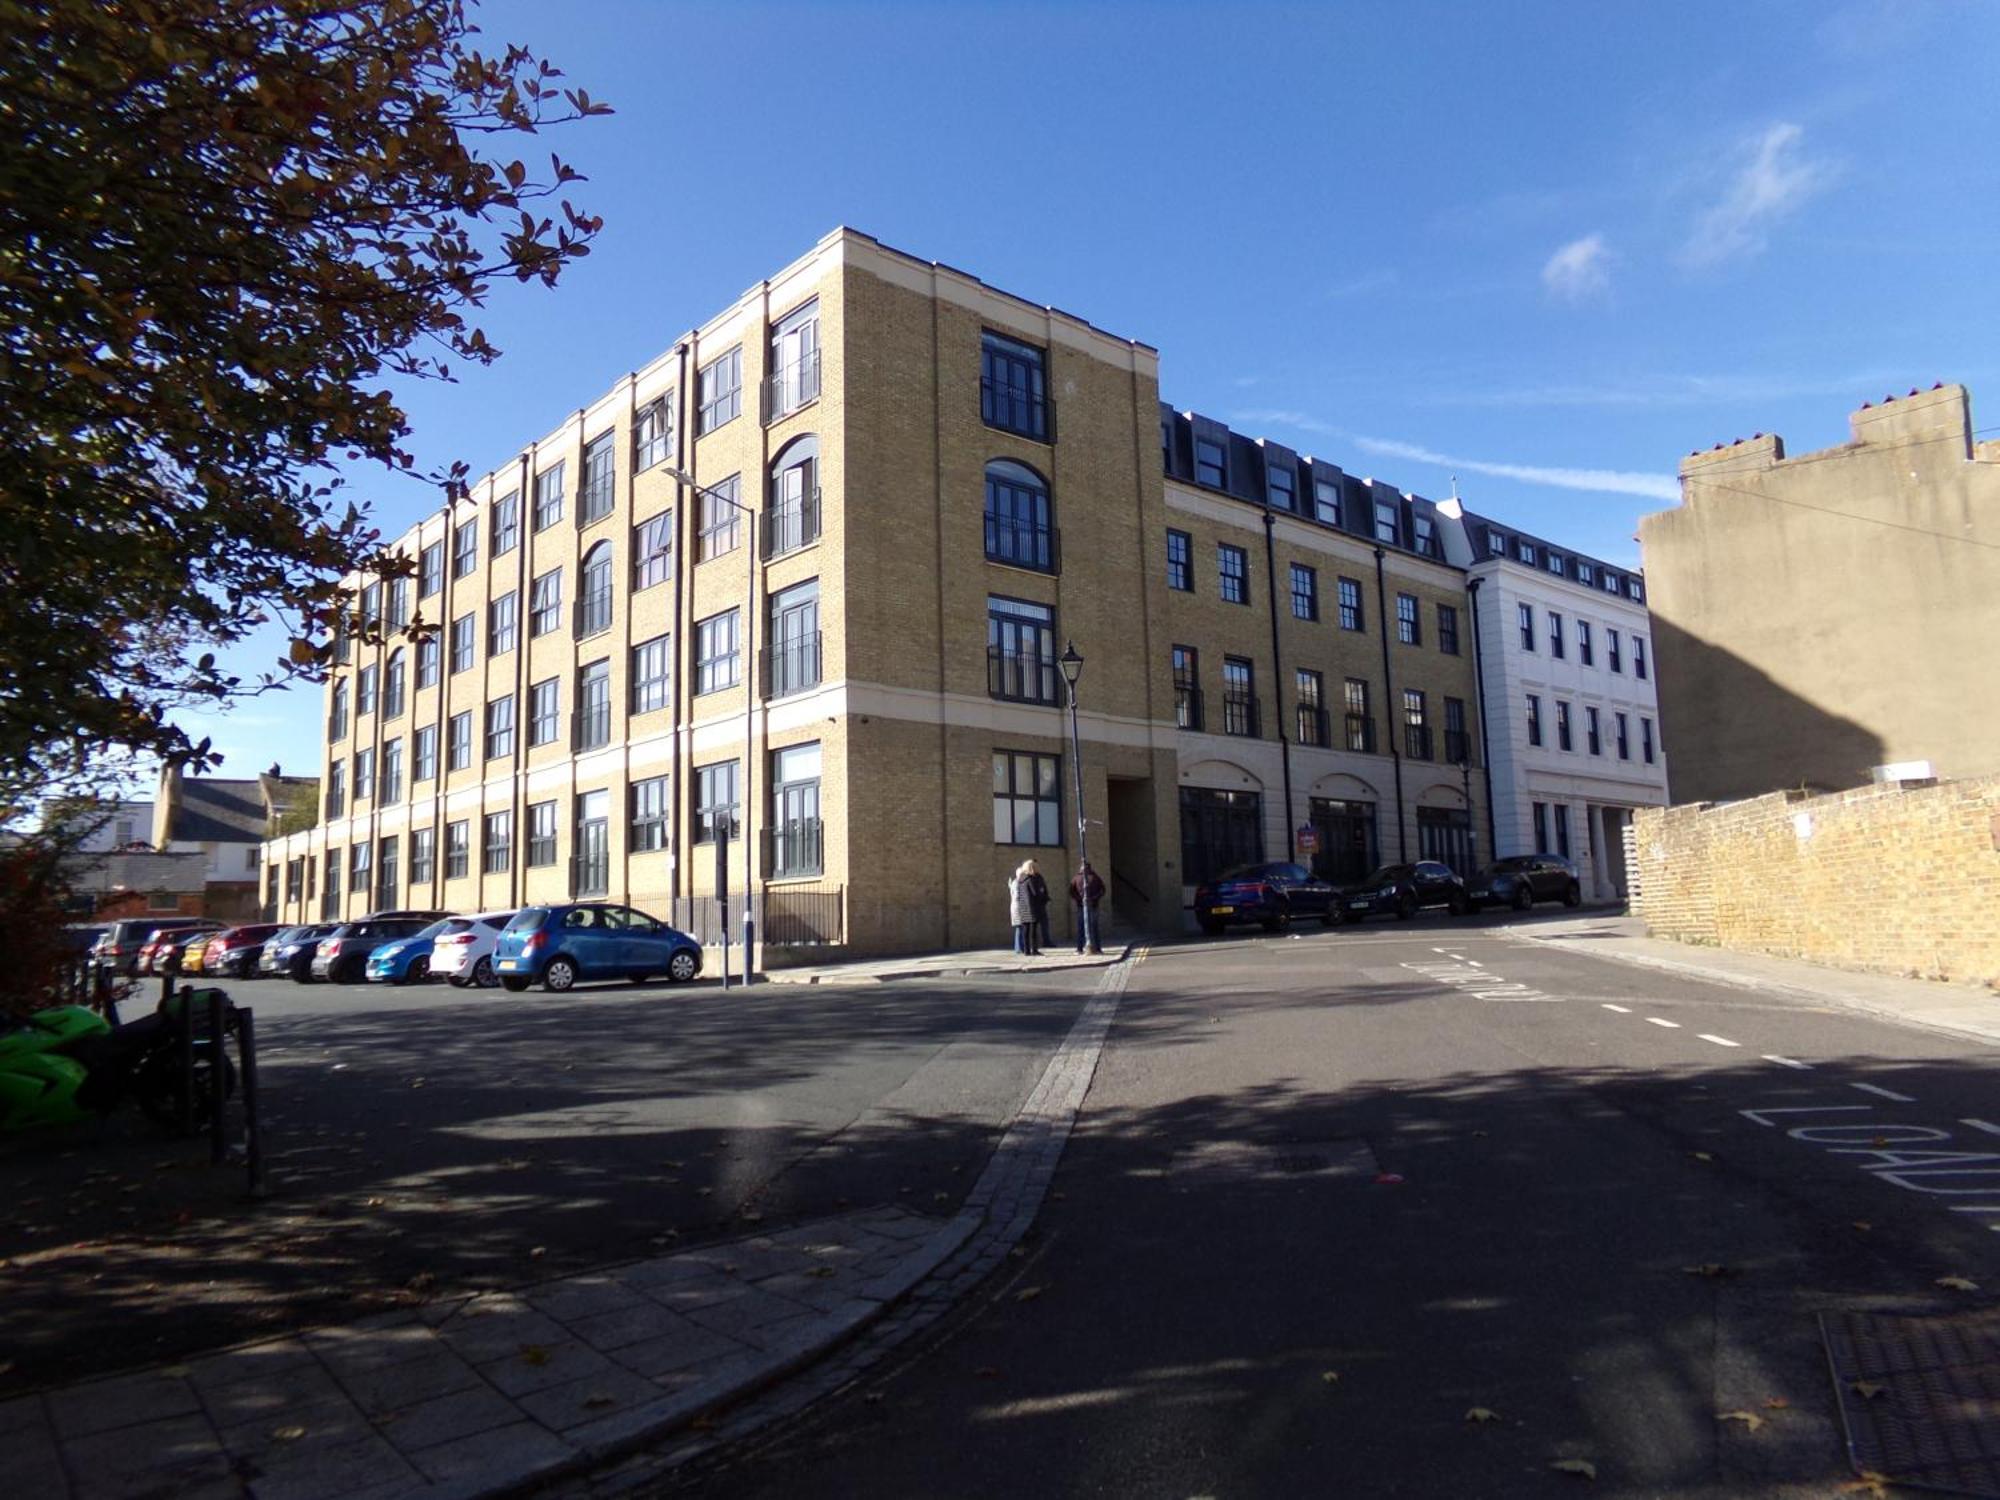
792 524
791 386
791 666
1239 714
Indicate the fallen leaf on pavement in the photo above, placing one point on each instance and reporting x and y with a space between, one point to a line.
372 1203
1863 1225
1867 1390
1027 1294
534 1354
598 1403
1702 1155
821 1271
1870 1483
538 1252
1776 1403
288 1434
1750 1420
1482 1414
1330 1377
1957 1284
1582 1467
1709 1269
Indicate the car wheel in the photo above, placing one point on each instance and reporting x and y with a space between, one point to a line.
418 972
1406 907
1329 915
483 975
559 974
681 967
1211 927
513 984
1574 895
1459 905
1523 897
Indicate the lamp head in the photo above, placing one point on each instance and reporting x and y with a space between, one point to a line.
1071 663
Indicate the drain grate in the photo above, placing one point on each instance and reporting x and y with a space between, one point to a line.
1245 1161
1933 1418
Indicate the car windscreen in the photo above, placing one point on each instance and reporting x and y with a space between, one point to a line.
496 923
1388 875
528 918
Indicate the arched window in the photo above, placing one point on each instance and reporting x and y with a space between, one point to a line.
593 599
393 683
791 520
1018 521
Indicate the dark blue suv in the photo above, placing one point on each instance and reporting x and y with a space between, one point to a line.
560 945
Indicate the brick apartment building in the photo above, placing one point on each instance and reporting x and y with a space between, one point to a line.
945 484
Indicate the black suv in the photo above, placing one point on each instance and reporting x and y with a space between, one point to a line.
1523 879
1404 890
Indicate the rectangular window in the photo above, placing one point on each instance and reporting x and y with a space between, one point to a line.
716 660
1027 798
464 642
719 392
388 867
330 899
1593 739
1180 562
1326 500
502 624
1360 723
653 551
1281 487
364 691
1534 719
500 727
1646 739
593 706
424 754
1610 583
1525 551
653 434
1612 656
392 772
1388 522
1562 725
1311 707
465 548
1409 628
541 835
1239 697
1350 604
721 528
1187 687
336 714
1427 541
392 688
1020 650
1562 829
430 653
423 856
1305 592
544 712
791 658
1416 725
1211 464
1633 590
794 839
649 815
336 789
1013 387
360 863
715 801
545 604
1586 652
1638 656
399 603
1624 735
650 665
794 362
1219 831
1525 613
430 570
496 848
458 749
1448 629
1541 827
1556 645
506 524
1233 567
548 507
364 775
1457 744
1496 544
1554 562
457 848
598 492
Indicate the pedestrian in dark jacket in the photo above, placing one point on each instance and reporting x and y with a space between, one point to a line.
1038 903
1085 891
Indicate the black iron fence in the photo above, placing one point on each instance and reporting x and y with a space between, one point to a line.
792 917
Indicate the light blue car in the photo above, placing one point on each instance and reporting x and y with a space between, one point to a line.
406 960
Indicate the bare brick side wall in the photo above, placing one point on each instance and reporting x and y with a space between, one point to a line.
1899 879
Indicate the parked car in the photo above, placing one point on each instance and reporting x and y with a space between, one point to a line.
1403 891
406 960
123 939
342 955
462 952
193 950
1271 894
235 952
80 938
169 941
289 951
1523 879
560 945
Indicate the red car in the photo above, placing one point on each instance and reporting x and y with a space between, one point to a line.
153 956
234 951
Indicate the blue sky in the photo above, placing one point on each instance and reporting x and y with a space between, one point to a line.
1545 247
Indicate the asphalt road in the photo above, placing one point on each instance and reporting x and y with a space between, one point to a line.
1423 1211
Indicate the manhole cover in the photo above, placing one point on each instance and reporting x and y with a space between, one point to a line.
1241 1161
1920 1397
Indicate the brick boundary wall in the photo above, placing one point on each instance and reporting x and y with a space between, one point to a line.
1902 878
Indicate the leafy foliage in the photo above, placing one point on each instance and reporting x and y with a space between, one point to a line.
225 225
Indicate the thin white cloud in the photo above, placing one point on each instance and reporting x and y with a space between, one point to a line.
1580 271
1360 286
1676 390
1772 184
1298 421
1600 481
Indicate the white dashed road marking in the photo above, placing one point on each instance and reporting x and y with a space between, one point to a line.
1989 1128
1787 1062
1623 1010
1656 1021
1882 1093
1720 1041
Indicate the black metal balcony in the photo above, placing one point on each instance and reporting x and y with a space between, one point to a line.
791 525
1239 714
1013 409
595 498
1187 707
791 386
593 727
1417 741
1312 725
590 874
1457 747
593 613
794 850
1361 733
1023 544
790 666
1021 676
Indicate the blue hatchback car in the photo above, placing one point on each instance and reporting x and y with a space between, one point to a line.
562 945
406 960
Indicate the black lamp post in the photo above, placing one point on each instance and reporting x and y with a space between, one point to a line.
1072 668
1465 776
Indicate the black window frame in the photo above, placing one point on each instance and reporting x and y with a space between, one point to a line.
649 806
719 392
1238 580
458 741
498 740
707 807
1186 666
1019 518
547 507
544 712
1218 466
653 551
1409 620
1011 625
710 661
1221 828
496 842
457 849
597 486
1558 647
1565 739
653 433
593 705
1534 718
1447 620
539 851
1353 613
1180 561
1043 771
651 674
1013 387
1239 697
545 603
1417 742
505 526
1305 601
503 624
1524 617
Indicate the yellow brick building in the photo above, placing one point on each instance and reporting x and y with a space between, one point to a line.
940 485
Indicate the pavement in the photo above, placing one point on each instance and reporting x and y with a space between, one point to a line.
970 961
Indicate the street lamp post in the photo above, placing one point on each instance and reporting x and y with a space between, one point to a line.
748 678
1072 668
1465 777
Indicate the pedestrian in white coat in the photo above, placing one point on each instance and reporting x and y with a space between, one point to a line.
1021 910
